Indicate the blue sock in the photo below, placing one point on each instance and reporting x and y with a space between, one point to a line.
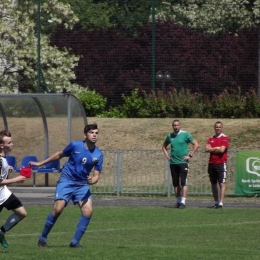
80 230
50 221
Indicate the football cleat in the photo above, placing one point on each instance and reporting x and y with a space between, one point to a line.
176 205
215 206
182 206
42 243
75 245
3 241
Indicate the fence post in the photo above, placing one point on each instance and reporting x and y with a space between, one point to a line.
118 172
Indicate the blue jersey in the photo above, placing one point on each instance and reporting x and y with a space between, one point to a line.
81 161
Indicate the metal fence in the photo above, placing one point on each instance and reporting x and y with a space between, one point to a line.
147 172
113 63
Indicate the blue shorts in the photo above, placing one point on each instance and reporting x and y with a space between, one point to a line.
66 190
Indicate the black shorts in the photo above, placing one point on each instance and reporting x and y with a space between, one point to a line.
11 203
217 173
179 172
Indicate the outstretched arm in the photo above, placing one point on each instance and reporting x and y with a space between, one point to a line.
55 156
17 179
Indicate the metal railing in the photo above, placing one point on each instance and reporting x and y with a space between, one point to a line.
140 171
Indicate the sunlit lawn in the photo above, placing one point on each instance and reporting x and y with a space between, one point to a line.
140 233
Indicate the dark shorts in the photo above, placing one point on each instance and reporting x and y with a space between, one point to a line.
11 203
217 173
179 173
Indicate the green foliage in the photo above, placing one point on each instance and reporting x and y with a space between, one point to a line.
18 47
113 112
182 103
132 14
92 15
203 108
155 105
132 104
216 16
252 106
27 108
229 104
93 102
125 16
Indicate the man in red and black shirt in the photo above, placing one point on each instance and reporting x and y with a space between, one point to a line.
217 146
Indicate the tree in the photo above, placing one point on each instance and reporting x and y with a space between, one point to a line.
214 17
132 14
115 64
18 46
123 15
92 14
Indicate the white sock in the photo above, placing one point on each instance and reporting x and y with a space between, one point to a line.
220 204
183 200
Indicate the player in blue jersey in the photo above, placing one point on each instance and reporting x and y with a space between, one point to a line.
74 182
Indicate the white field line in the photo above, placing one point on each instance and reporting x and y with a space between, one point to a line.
145 228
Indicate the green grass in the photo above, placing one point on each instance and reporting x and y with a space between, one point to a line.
140 233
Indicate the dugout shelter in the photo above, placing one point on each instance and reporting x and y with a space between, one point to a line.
41 124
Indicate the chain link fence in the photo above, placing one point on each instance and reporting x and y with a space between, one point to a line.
137 49
113 63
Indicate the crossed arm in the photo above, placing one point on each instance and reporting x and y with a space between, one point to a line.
217 149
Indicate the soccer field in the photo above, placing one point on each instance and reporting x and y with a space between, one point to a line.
140 233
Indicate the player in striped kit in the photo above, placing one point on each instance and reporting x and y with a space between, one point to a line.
7 199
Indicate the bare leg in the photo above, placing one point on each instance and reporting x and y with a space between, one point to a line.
177 191
214 189
184 191
20 212
222 187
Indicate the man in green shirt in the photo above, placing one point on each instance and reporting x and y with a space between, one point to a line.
179 158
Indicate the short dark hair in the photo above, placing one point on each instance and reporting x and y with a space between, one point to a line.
176 120
87 128
4 133
218 122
